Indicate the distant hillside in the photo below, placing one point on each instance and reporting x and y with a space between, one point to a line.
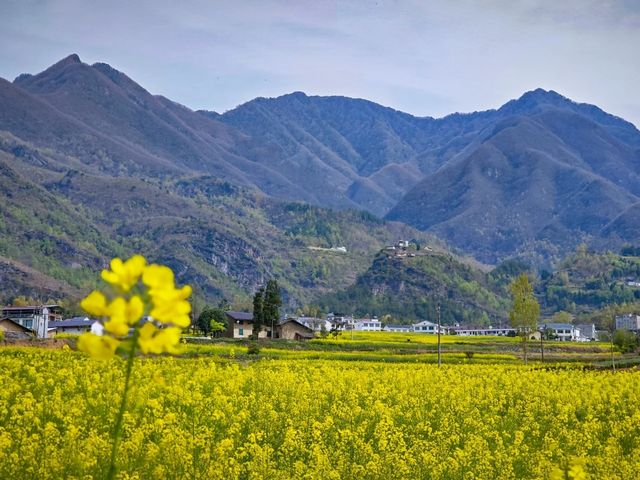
223 239
535 184
409 288
588 281
114 169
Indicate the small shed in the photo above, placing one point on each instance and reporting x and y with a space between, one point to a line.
14 330
291 329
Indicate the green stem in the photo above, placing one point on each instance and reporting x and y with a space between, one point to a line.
117 432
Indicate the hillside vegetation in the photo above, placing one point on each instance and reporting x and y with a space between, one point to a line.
409 288
533 178
587 282
223 239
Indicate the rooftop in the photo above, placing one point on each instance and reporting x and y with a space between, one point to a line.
247 316
73 322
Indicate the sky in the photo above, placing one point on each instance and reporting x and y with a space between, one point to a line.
427 58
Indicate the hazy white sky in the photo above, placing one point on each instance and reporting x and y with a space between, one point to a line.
422 57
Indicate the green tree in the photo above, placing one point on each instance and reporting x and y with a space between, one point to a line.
272 303
525 311
562 317
258 312
211 321
625 340
217 327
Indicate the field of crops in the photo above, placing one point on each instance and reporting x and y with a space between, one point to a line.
222 417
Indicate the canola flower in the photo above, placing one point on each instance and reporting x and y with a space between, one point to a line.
141 289
138 289
213 418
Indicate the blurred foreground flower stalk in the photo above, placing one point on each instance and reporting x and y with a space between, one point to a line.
144 311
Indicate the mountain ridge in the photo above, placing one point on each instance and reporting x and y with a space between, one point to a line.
344 153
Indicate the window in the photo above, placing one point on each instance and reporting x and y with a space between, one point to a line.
241 332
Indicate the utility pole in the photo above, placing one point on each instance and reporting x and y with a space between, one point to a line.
542 344
439 357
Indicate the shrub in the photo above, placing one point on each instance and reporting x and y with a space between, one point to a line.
625 340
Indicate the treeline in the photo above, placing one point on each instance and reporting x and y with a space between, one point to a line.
588 281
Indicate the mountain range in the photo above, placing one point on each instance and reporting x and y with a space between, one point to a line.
120 169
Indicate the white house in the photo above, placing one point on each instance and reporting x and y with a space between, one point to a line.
427 327
479 332
340 321
630 321
587 332
34 317
399 328
565 332
367 325
315 324
75 325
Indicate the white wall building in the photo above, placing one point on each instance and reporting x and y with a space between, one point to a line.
587 332
399 328
315 324
367 325
427 327
565 332
630 321
74 326
340 321
479 332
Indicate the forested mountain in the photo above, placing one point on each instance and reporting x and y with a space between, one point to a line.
409 287
588 281
61 227
93 165
550 175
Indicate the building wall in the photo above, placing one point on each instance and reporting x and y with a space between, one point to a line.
73 330
391 328
8 326
289 330
628 322
368 326
244 329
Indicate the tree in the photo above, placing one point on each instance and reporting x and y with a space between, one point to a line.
224 304
625 340
211 321
217 327
525 311
272 302
308 310
258 312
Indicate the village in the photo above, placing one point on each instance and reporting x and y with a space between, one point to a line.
46 321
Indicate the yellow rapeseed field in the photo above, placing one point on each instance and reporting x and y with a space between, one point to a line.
214 418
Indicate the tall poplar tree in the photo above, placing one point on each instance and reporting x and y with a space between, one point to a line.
258 312
525 311
272 303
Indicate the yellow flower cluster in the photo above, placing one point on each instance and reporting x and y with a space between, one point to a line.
211 418
142 289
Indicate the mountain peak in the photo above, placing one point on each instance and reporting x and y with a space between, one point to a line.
541 95
72 59
68 61
296 96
